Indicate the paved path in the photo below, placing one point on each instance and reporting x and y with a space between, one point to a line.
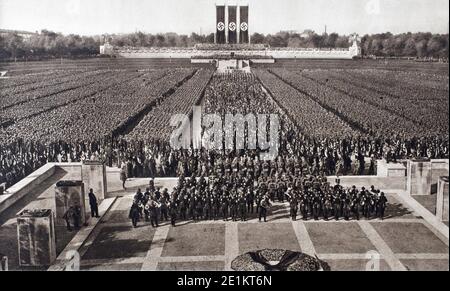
212 245
403 241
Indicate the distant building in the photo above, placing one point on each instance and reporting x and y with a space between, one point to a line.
106 49
24 34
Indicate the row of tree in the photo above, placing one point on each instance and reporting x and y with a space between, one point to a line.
47 44
50 44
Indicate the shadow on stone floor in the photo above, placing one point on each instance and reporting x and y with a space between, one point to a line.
397 210
108 246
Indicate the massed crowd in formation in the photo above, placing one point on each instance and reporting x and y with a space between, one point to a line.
316 132
238 197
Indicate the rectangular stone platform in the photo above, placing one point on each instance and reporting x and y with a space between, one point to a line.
69 194
419 177
36 238
94 177
442 199
385 169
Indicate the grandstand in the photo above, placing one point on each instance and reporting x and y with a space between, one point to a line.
250 51
232 41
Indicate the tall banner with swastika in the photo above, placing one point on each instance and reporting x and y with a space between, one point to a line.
220 25
243 33
232 24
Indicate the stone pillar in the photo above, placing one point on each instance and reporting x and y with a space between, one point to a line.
442 199
419 177
36 238
69 194
439 168
93 174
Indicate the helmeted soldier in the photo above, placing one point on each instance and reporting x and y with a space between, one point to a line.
134 214
381 206
215 206
347 209
198 208
153 210
191 208
234 208
304 207
250 200
224 207
355 206
173 212
183 206
272 190
207 209
316 208
327 208
242 208
293 205
145 199
337 208
263 208
164 209
138 197
281 191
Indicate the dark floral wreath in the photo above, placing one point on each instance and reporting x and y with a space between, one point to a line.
283 260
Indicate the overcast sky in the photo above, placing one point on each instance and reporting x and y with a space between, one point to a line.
90 17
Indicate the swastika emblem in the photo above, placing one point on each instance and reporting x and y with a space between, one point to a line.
244 26
232 26
220 26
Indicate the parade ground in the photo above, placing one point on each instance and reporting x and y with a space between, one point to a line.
404 240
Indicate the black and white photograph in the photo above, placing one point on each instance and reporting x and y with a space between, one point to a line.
224 136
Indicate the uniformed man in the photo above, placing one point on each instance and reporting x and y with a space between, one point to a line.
242 208
138 197
164 209
327 208
263 208
191 208
198 208
224 208
347 209
304 207
183 206
93 204
145 199
215 207
173 212
337 208
153 210
234 208
207 208
134 214
316 208
293 205
355 206
381 206
68 217
250 200
281 190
